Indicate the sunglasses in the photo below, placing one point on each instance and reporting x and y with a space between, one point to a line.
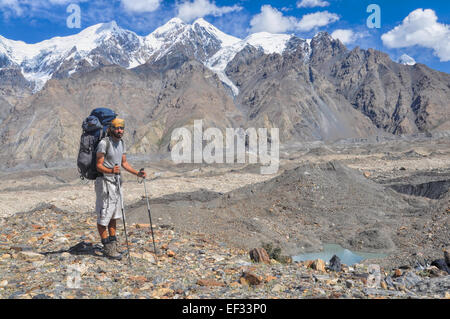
119 128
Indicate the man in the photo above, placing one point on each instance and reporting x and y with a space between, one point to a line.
111 155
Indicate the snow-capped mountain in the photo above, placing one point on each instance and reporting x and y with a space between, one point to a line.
267 42
104 43
406 60
107 43
199 40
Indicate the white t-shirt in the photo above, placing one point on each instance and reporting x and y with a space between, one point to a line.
113 153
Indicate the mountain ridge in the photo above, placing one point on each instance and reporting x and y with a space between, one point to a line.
311 89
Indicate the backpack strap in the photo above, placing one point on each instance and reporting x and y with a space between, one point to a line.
108 143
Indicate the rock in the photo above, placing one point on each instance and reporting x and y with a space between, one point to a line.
136 255
234 284
335 264
251 278
61 240
269 278
210 283
366 174
170 253
441 264
278 288
435 271
389 281
243 281
218 258
21 248
5 256
30 256
321 278
140 279
4 283
259 255
38 263
409 279
349 283
447 256
397 273
140 226
161 292
319 265
65 256
383 285
149 257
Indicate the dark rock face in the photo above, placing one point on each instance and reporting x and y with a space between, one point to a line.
399 99
335 264
13 78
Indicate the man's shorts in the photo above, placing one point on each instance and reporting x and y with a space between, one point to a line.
107 204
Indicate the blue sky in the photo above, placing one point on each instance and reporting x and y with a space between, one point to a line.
418 28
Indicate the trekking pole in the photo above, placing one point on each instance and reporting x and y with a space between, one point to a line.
123 217
149 215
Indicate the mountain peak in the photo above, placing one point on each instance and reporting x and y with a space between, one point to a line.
224 38
108 26
175 20
406 60
170 26
202 22
322 35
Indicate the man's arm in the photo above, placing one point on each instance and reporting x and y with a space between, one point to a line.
102 168
130 169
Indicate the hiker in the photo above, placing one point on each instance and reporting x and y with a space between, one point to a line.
111 155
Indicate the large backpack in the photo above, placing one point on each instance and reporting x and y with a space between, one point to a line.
94 130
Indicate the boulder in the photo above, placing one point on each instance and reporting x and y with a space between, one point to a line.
251 278
319 265
259 255
30 256
335 264
447 256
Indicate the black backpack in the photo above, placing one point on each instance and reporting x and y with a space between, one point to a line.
94 130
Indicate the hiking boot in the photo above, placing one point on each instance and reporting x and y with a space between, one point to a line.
110 250
113 240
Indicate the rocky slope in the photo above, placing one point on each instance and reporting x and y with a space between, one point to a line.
37 261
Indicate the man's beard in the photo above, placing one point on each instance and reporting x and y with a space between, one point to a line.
115 134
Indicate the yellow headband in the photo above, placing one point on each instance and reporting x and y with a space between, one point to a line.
118 122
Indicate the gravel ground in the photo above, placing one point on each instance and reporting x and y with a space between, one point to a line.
390 197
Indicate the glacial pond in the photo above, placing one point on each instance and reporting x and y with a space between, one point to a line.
347 257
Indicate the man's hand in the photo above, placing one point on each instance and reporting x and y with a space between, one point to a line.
142 173
116 169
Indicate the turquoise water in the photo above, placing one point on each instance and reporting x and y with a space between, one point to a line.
347 257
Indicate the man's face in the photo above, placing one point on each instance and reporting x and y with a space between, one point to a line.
117 131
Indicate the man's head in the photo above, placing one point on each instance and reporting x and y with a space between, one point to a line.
117 128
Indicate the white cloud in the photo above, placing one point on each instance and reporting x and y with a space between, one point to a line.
189 11
315 20
421 28
271 20
346 36
140 6
312 3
